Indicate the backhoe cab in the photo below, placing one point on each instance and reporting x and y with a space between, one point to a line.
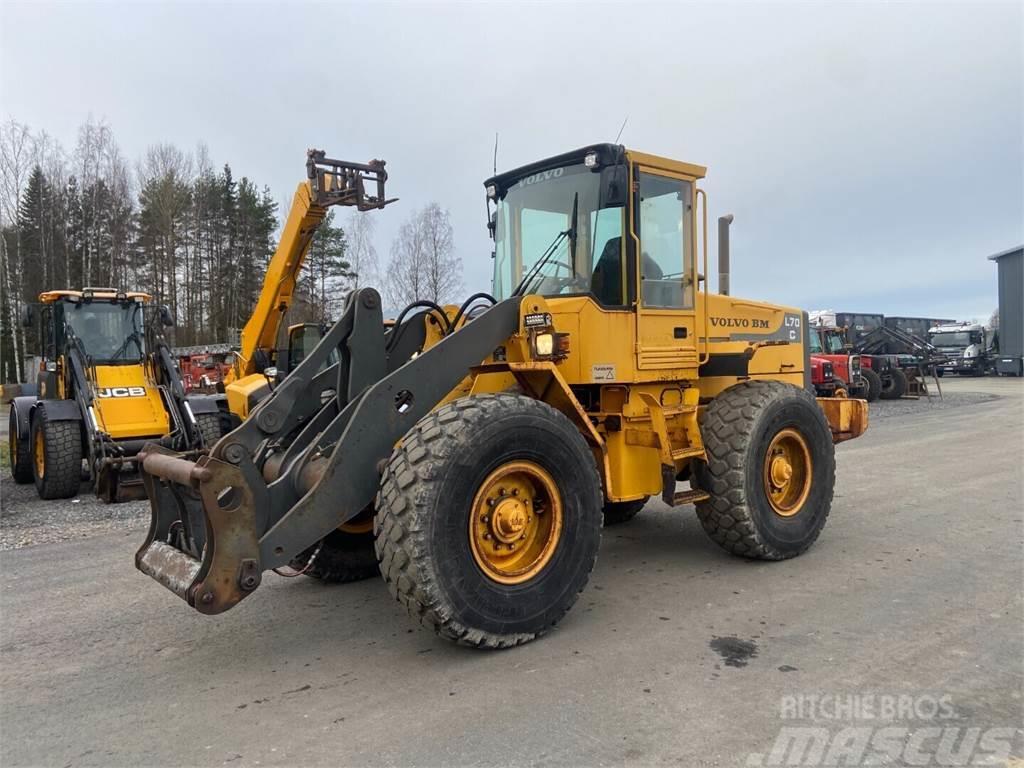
485 444
106 386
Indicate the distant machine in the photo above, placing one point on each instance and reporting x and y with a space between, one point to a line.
1009 360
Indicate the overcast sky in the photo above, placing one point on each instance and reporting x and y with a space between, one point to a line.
873 155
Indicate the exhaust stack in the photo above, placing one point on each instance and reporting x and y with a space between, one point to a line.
723 253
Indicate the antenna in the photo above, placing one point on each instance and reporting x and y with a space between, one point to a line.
495 153
619 134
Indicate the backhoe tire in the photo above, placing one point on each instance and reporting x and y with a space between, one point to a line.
751 433
56 455
894 385
210 427
874 382
616 512
20 452
343 558
489 519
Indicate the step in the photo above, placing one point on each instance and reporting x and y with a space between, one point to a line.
689 497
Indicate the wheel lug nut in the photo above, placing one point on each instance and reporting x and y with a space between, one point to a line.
490 502
485 519
515 491
487 536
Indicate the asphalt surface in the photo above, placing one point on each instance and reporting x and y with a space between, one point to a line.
676 653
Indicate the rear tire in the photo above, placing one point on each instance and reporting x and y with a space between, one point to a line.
743 428
874 382
346 555
465 470
894 385
617 512
56 455
20 452
210 428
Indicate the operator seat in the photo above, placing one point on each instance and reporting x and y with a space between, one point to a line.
606 282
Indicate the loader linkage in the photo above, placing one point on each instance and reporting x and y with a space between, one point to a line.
307 459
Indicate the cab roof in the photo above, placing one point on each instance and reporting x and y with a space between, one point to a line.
608 154
93 294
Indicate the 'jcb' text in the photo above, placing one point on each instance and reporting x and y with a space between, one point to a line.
121 392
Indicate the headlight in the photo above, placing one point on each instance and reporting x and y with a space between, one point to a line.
544 343
590 159
492 191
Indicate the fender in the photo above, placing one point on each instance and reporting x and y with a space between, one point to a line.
204 403
60 410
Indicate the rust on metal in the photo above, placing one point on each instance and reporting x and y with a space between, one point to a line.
174 469
170 566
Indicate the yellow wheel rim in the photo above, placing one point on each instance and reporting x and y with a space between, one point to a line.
515 522
788 468
361 523
38 454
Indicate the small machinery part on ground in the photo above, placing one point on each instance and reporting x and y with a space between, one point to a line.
106 385
484 445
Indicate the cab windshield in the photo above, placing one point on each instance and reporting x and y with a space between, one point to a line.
532 216
834 342
110 332
955 339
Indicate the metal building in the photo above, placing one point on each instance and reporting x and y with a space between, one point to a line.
1010 264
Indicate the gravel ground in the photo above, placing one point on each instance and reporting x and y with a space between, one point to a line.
884 409
26 520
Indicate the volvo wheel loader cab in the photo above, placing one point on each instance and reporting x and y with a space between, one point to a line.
106 385
488 445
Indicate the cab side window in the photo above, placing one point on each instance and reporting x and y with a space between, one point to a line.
666 259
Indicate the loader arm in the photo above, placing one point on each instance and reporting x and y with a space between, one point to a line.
329 182
307 460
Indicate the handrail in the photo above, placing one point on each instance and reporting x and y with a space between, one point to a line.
706 355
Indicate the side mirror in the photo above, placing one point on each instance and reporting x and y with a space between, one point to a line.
614 186
166 318
28 316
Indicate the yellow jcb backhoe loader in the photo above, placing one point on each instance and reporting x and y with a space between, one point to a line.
106 386
490 444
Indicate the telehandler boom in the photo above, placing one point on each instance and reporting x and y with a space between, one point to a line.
489 446
328 182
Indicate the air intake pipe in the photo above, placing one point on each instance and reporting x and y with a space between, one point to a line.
723 253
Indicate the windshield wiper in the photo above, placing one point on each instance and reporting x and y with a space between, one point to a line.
529 277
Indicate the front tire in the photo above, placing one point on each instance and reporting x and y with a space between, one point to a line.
874 382
770 470
56 456
894 385
489 519
20 452
211 428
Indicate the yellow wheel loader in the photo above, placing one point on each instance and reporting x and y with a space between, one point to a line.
106 386
489 442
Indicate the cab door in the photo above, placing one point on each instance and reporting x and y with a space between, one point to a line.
663 205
